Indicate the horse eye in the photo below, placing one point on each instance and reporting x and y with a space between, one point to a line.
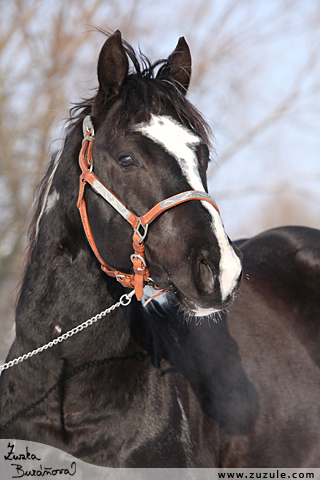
127 161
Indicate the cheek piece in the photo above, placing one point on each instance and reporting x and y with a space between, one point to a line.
140 276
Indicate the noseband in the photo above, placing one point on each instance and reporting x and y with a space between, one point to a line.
141 276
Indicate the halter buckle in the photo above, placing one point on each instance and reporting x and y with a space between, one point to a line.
87 125
135 255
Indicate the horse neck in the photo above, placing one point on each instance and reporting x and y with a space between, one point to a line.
63 284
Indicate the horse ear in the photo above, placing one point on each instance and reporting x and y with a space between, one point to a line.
178 66
112 66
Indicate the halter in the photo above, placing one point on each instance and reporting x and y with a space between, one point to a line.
141 276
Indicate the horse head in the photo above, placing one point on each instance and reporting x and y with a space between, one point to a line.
150 144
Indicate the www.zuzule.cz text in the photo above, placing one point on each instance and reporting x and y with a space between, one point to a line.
275 474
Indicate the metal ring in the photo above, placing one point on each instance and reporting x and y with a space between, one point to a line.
125 300
145 230
120 276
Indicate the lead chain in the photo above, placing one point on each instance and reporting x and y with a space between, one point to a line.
124 301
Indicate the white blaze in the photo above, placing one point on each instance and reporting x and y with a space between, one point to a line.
181 143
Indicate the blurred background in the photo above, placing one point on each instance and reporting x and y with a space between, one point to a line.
256 79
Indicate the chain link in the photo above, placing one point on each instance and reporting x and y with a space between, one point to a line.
124 301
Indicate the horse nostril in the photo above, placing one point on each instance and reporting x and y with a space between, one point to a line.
206 277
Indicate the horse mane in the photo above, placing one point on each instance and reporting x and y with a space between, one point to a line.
145 82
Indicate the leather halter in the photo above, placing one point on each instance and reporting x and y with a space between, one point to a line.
140 277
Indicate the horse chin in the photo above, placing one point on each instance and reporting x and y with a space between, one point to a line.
192 310
188 307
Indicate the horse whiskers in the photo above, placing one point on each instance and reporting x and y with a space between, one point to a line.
191 316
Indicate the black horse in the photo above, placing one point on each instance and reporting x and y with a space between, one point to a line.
197 377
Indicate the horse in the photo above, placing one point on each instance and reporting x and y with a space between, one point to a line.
207 355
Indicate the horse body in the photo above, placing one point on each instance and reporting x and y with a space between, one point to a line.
146 387
275 322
